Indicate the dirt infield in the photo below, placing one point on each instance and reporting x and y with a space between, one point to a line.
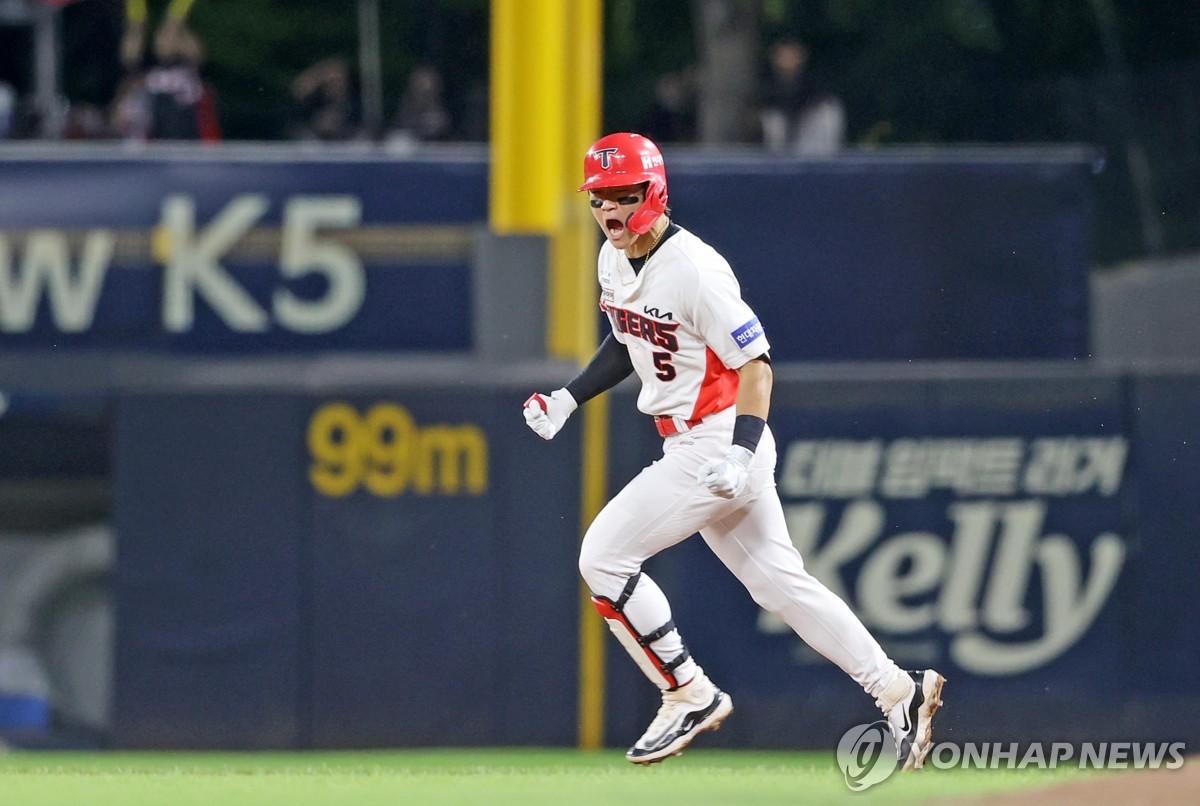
1135 788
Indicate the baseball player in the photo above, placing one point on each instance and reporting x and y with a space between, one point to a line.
702 356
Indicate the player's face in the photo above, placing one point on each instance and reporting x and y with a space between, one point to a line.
612 207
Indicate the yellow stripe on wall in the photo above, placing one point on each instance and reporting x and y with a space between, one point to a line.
592 632
545 112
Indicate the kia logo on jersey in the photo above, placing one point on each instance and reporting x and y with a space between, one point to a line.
650 310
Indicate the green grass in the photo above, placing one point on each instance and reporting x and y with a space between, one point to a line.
492 777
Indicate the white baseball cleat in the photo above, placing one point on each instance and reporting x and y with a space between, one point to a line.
909 703
686 712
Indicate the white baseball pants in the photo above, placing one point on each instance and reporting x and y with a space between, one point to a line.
664 505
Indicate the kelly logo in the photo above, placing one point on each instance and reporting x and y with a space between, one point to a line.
984 568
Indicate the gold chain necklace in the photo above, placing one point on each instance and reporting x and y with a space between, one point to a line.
630 280
657 238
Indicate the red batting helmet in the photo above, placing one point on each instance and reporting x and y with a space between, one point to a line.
623 159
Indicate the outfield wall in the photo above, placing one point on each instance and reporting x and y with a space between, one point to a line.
888 255
375 563
260 375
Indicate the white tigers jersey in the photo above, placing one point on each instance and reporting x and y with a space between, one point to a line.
684 322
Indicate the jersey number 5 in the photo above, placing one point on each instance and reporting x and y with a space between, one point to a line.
662 363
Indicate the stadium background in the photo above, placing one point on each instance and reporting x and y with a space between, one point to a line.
265 485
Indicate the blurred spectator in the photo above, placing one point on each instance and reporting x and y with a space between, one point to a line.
324 95
672 119
129 111
182 104
796 115
422 116
169 100
8 109
133 40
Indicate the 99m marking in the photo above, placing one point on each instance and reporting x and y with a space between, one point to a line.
386 452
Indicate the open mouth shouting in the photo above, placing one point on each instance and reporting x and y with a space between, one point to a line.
614 227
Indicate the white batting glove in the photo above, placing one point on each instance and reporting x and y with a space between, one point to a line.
545 414
727 477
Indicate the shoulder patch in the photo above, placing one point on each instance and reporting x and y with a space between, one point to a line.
747 332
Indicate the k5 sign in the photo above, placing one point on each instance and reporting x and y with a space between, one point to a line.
239 257
49 273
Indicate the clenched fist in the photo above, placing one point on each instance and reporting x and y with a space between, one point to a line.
545 414
727 477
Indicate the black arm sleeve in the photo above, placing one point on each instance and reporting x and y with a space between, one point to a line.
609 366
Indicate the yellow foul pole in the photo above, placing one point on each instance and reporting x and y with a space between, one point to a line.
545 112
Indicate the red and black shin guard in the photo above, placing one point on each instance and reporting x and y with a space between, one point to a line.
660 671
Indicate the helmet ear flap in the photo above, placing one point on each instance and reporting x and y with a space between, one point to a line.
654 205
